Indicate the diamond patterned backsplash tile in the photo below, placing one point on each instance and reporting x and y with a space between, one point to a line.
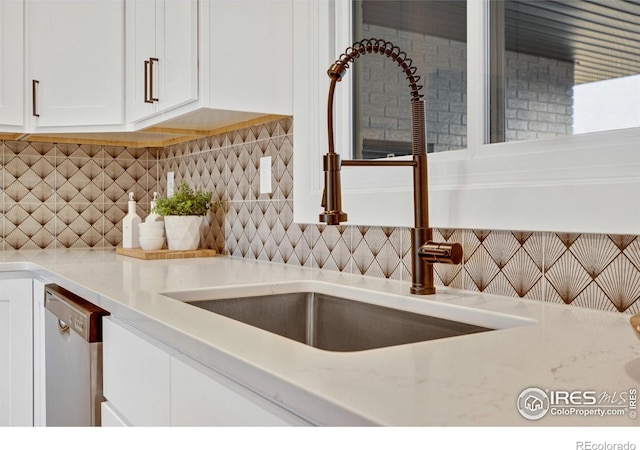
69 195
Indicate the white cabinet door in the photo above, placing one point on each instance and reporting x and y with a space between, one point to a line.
162 56
110 417
140 48
202 397
177 37
136 374
76 62
251 56
11 63
16 354
39 363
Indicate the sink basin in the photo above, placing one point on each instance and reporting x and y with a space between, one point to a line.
335 323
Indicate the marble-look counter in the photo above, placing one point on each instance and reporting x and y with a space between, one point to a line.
470 380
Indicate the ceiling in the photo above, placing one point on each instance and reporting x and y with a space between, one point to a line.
602 37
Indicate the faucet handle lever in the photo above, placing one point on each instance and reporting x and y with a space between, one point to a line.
441 252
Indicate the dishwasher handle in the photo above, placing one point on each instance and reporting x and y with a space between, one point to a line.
76 313
63 328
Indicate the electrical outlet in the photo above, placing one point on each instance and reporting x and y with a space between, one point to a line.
265 175
170 184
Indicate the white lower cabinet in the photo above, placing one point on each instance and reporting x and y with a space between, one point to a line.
147 383
110 417
136 374
16 349
203 397
39 363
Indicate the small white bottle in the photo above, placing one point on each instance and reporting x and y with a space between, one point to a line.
153 217
130 225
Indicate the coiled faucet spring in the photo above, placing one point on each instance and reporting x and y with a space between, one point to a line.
386 48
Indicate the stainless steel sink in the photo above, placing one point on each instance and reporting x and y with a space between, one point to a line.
335 323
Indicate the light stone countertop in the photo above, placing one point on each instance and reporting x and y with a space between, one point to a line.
472 380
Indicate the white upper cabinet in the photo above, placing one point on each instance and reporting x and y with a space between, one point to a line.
250 56
161 56
94 66
208 64
11 64
75 58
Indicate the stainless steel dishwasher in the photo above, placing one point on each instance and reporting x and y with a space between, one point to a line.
73 359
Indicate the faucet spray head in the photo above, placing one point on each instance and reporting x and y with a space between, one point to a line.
336 71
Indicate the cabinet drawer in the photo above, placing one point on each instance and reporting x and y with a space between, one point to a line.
203 397
136 374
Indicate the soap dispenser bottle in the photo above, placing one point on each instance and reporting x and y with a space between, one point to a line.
153 217
130 225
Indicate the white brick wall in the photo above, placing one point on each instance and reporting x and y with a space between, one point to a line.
538 92
538 96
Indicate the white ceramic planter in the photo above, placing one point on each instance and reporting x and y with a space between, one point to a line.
183 232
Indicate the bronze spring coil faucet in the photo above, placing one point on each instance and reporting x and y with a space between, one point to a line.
424 252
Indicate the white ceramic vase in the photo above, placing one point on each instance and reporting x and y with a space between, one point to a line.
183 232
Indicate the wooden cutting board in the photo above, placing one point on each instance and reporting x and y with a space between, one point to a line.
165 253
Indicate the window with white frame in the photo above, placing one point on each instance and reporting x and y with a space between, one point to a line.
563 67
556 68
578 182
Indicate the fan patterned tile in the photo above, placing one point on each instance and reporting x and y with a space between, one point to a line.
595 252
449 274
632 251
29 226
499 285
470 244
294 248
568 277
332 250
522 273
620 281
501 246
29 176
405 249
481 269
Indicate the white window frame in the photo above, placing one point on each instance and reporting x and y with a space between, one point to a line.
588 183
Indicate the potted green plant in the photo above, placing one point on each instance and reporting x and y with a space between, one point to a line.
183 214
